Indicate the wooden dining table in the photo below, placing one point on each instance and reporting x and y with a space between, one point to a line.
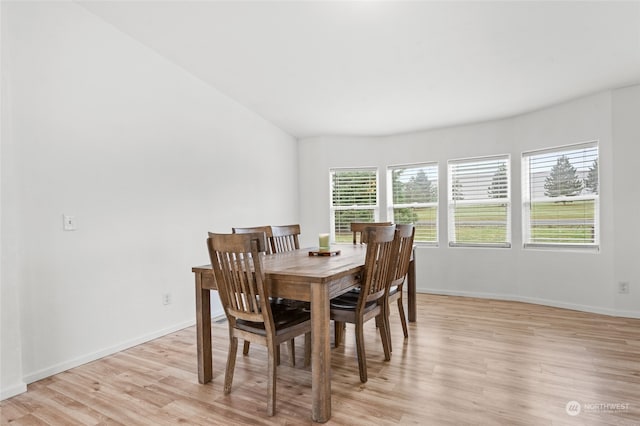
298 275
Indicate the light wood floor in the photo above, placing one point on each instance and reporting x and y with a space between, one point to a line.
467 361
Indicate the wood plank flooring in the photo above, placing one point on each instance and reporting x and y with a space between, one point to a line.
467 361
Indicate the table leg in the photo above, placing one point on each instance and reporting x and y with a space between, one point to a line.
411 289
203 327
320 353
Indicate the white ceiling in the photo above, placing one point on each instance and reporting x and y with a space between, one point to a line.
379 68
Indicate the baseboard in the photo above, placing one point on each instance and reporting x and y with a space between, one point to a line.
536 301
63 366
6 393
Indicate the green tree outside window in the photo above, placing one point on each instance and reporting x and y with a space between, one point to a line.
563 180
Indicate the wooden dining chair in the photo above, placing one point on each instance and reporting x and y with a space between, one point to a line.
237 265
266 230
357 229
371 300
267 233
285 238
404 236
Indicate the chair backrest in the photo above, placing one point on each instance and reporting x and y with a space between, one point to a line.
404 236
237 265
379 263
285 238
267 235
358 228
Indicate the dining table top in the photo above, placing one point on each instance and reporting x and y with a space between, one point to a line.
315 268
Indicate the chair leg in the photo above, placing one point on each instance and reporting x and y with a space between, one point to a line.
387 315
277 354
385 336
307 349
362 359
338 334
245 348
291 345
271 380
231 364
403 319
382 323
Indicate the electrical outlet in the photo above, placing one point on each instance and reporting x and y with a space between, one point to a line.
623 287
166 299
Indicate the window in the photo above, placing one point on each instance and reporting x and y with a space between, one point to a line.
560 197
479 203
354 198
413 198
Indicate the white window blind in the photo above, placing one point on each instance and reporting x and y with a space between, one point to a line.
479 202
414 198
560 188
354 198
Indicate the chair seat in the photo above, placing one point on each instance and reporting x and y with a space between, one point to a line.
290 303
283 317
349 302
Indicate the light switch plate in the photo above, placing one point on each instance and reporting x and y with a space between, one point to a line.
69 223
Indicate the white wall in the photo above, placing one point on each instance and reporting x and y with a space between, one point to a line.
626 193
11 382
148 159
576 280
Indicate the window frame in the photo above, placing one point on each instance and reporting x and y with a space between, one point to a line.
527 200
451 203
390 197
333 209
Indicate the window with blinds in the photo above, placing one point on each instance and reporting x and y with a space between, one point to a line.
479 202
413 198
560 188
354 198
